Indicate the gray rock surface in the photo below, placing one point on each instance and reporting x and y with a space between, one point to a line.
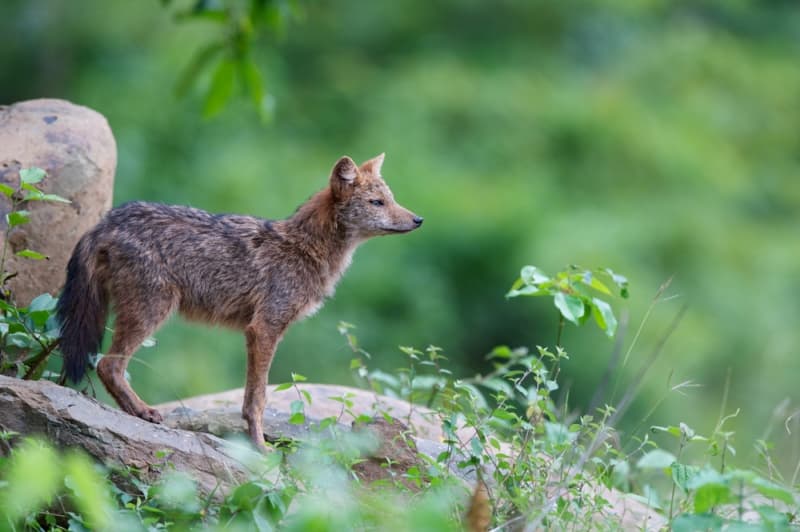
76 148
327 402
70 419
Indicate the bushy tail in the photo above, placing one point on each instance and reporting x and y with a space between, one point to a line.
82 310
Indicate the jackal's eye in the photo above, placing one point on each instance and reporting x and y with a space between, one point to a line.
377 202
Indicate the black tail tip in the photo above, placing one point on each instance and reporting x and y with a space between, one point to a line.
74 370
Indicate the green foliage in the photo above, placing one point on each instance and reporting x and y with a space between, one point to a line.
238 23
36 479
27 335
549 467
573 291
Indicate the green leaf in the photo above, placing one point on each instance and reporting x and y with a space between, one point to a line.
571 307
6 190
47 197
593 282
558 434
476 447
31 175
21 340
694 523
211 15
775 519
296 407
296 377
711 489
254 82
246 496
33 476
30 254
604 316
527 290
283 386
306 395
498 385
221 88
709 496
532 282
773 491
16 218
656 459
33 195
89 491
200 60
531 275
262 516
673 430
682 474
297 418
41 308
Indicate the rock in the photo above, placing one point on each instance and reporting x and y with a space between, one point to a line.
223 421
392 455
76 148
418 431
326 401
394 443
70 419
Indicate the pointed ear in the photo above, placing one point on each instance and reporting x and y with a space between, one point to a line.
373 166
343 177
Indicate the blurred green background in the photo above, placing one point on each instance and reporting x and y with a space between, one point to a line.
658 138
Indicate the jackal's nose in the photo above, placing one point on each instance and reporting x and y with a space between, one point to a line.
418 220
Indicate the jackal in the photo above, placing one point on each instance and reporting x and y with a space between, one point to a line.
252 274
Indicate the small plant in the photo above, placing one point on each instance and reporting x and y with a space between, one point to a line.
703 497
576 293
28 335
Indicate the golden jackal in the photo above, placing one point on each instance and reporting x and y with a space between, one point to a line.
258 275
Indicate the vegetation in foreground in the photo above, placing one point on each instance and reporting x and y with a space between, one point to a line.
537 464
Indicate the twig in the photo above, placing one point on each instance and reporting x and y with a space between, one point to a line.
38 360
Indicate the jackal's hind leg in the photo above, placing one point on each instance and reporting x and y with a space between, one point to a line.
130 330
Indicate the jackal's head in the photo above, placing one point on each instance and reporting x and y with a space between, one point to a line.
363 202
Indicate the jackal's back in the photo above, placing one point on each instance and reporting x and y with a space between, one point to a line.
209 264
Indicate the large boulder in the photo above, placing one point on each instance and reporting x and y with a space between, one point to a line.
74 145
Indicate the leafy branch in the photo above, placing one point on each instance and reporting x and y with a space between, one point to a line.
28 335
230 54
577 293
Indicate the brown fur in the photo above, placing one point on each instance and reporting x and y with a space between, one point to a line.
252 274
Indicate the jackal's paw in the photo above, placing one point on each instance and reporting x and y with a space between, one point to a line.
151 414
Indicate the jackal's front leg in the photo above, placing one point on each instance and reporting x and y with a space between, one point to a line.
262 339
